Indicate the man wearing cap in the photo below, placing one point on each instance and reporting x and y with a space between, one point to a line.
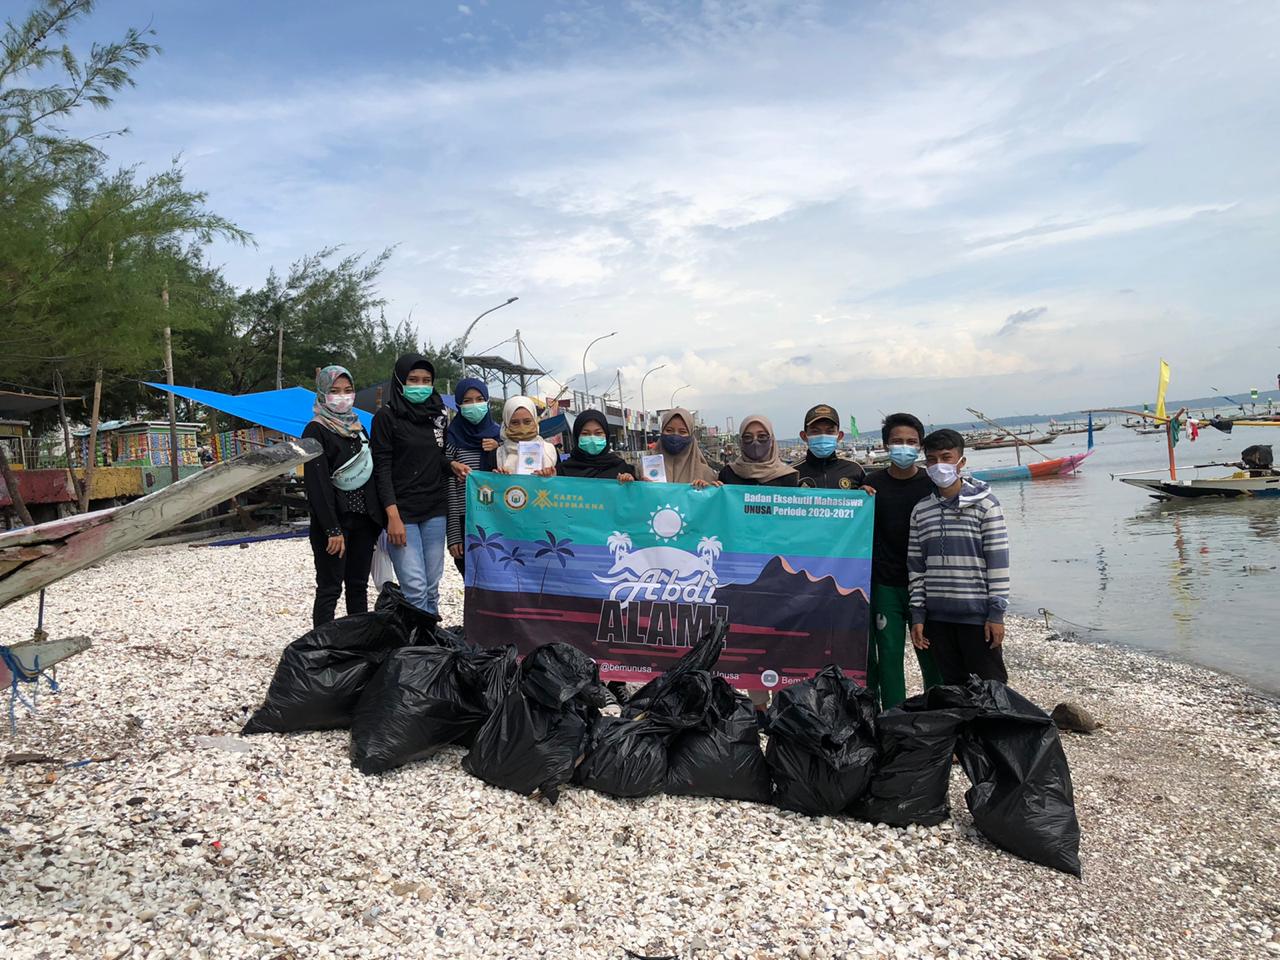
821 467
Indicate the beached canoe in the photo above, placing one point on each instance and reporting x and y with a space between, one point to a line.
1238 486
1059 466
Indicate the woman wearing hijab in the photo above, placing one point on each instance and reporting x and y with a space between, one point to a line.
681 455
758 463
412 472
346 515
520 425
593 455
472 438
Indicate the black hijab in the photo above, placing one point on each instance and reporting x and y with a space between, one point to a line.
426 412
603 465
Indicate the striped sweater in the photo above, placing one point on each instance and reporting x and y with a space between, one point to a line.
958 557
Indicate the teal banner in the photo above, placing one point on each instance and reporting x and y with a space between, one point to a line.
632 573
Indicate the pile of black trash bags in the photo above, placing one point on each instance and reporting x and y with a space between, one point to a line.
406 688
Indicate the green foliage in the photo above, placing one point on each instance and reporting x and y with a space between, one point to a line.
86 254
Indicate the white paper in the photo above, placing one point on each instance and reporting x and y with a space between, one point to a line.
529 456
654 468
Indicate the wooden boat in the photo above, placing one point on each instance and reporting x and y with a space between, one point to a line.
1058 467
32 558
1238 485
1062 429
999 443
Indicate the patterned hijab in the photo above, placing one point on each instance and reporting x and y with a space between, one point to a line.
343 424
509 452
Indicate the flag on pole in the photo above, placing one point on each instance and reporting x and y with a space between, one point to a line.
853 425
1160 392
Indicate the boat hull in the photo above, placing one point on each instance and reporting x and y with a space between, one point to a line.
1058 467
1222 488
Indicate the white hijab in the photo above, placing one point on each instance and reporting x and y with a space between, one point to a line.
509 452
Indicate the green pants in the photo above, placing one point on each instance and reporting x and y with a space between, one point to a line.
890 621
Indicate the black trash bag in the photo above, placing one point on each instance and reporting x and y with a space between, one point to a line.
625 757
917 742
422 628
702 657
822 743
418 702
723 757
487 674
1021 798
321 674
535 738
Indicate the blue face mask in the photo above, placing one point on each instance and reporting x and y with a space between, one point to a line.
903 454
592 445
418 393
822 445
675 443
474 412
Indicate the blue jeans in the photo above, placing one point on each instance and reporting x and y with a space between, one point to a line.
420 563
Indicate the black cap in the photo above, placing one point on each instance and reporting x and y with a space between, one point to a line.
823 411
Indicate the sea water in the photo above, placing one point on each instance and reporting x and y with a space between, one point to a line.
1195 580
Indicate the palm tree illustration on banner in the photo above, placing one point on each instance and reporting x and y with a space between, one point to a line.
481 542
552 549
512 559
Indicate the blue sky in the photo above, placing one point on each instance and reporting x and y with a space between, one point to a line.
908 205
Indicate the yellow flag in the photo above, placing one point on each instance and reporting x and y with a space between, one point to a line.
1164 386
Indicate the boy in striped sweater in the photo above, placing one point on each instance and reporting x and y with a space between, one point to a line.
958 568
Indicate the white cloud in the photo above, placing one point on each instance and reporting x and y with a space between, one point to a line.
879 192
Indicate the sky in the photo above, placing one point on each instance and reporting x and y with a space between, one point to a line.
882 206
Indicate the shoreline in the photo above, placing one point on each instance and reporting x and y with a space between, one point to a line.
1177 798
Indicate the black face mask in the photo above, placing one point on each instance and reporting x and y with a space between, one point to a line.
757 451
675 444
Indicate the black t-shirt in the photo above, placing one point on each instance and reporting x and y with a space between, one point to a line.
895 499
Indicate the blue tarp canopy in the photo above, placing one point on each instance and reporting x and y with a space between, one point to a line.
288 411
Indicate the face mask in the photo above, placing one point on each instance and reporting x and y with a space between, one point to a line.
522 433
340 402
675 444
903 454
474 412
592 445
418 392
822 445
757 451
943 475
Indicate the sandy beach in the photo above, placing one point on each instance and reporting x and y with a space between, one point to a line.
183 840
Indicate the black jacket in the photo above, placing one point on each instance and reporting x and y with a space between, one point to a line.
728 476
325 500
833 473
410 467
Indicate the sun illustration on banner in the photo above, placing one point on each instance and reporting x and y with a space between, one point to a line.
667 522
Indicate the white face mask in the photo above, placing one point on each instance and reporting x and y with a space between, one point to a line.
340 402
943 475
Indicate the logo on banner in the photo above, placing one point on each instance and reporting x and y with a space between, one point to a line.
515 498
663 573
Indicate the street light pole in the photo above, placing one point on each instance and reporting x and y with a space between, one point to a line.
466 336
586 385
673 399
644 410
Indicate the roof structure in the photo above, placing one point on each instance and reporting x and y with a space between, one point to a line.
505 368
12 402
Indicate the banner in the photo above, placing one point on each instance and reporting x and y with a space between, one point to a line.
1161 389
633 573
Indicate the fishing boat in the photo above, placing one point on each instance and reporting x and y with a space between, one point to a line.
1239 484
1000 443
1256 476
1062 429
1057 467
